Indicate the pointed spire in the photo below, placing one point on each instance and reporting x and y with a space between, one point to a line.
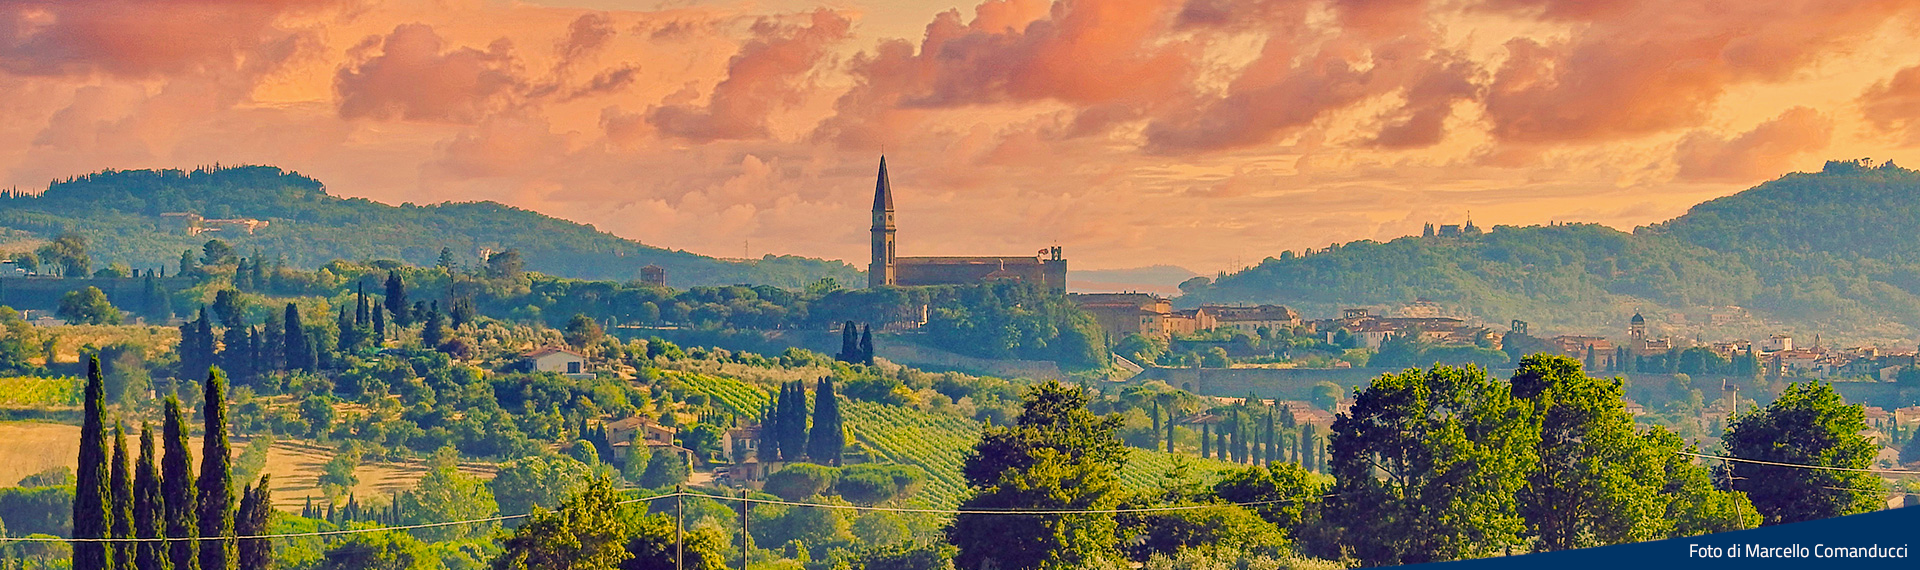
882 189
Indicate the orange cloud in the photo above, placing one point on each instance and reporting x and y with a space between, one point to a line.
762 78
412 78
1757 154
146 38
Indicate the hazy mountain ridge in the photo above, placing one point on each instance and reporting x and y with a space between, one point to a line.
1829 253
120 212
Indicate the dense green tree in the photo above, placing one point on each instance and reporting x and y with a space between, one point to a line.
582 331
387 550
120 479
652 542
664 469
1326 396
828 438
253 519
88 306
178 493
298 347
397 299
589 531
149 510
523 484
1427 467
1592 486
446 494
1057 455
215 484
1808 424
800 481
68 252
92 502
1289 496
1691 505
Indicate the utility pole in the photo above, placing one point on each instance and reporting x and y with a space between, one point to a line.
744 537
679 526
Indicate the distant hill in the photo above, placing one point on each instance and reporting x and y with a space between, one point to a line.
1835 252
121 213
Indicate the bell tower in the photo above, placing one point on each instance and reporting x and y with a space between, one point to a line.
880 272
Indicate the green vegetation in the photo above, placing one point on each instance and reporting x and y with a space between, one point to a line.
34 392
1828 251
118 218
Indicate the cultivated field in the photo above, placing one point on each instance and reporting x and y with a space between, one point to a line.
31 447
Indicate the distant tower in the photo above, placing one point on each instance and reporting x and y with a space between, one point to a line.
1519 327
653 275
880 272
1637 327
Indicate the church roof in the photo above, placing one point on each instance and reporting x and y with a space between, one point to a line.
882 189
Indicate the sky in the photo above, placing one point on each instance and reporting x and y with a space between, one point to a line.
1202 133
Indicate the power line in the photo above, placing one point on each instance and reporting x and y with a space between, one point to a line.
1018 512
304 534
1801 465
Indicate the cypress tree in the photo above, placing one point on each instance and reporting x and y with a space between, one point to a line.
344 324
769 446
827 441
92 492
121 478
216 478
273 341
1155 414
177 490
1206 440
1220 446
849 343
379 325
397 298
360 316
203 344
1307 458
256 511
148 510
866 345
1170 424
299 353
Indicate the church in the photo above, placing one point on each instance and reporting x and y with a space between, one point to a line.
1046 269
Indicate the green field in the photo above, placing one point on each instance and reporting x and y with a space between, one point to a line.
35 392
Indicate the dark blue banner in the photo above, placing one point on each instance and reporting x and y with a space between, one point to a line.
1881 539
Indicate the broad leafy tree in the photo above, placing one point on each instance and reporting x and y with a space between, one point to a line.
1057 455
1428 465
1807 425
588 531
1595 483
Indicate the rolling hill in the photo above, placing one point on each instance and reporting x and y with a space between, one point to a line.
121 215
1831 253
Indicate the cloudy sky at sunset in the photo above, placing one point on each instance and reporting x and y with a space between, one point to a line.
1202 133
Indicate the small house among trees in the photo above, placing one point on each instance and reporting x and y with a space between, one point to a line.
551 359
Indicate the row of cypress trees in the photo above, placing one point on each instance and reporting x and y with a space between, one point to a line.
784 434
856 344
160 497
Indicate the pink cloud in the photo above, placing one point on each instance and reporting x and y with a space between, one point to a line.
414 77
145 38
762 78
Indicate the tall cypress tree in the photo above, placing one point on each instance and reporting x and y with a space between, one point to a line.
92 491
849 343
360 316
203 344
121 478
1170 424
273 341
216 478
1206 440
793 422
344 324
769 442
256 511
379 325
148 507
177 491
397 298
866 345
827 441
299 355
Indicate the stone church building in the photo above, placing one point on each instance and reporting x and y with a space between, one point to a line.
1047 268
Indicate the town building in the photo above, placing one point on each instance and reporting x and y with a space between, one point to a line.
1250 320
557 360
653 275
638 430
1047 269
